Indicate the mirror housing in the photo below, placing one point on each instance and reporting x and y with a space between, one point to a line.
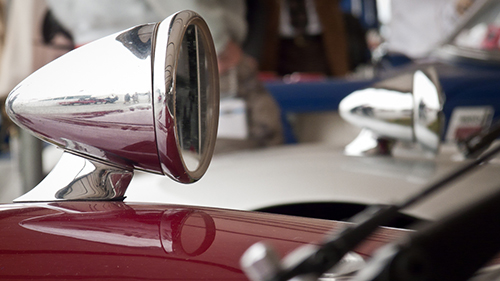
405 108
145 98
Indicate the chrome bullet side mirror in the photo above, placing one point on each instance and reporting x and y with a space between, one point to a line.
145 98
405 108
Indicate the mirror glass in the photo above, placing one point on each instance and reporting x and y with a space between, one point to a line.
427 110
192 92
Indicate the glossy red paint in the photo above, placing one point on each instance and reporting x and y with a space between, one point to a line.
121 241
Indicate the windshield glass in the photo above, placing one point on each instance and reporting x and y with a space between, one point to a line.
482 31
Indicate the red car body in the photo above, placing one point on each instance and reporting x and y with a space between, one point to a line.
74 224
118 241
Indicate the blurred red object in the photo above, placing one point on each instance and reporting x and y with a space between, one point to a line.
492 38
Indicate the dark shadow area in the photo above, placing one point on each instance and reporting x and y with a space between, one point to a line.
339 212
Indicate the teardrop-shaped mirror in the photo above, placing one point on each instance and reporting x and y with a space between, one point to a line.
404 108
145 98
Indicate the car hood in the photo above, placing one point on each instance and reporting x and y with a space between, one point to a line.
116 241
308 173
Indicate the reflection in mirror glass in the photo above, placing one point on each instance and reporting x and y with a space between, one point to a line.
427 111
191 97
426 98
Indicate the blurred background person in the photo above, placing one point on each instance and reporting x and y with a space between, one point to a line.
306 36
417 27
249 115
20 56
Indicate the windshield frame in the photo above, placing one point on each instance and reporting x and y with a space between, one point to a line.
451 51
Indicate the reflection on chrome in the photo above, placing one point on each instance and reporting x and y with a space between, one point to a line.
160 229
145 98
427 115
98 96
186 91
349 264
259 262
368 143
388 114
77 178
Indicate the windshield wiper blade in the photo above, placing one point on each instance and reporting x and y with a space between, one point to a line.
476 144
450 249
334 248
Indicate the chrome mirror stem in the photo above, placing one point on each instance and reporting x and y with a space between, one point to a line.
77 178
367 143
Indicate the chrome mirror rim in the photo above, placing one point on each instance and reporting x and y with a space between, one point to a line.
164 94
108 113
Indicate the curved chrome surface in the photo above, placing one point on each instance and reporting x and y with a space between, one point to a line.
260 262
186 95
95 100
385 116
77 178
406 108
369 143
98 102
388 113
428 109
